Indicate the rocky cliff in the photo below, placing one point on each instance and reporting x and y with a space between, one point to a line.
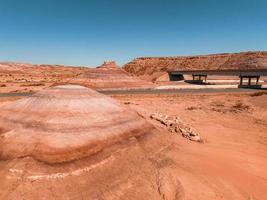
153 66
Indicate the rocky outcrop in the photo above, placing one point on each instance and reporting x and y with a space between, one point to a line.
65 123
176 125
107 65
152 66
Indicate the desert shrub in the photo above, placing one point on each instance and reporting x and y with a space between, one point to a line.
32 84
3 85
255 94
240 106
192 108
163 69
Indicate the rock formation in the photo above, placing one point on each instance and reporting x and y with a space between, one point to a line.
109 75
176 125
20 77
70 142
65 123
153 67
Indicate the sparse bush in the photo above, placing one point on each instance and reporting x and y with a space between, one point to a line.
32 84
240 106
3 85
255 94
192 108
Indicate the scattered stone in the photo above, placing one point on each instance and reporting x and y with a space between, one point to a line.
176 125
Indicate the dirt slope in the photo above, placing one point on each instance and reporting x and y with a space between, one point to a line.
152 67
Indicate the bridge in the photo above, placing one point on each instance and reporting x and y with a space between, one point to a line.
201 75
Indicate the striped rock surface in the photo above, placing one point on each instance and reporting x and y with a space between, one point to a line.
65 123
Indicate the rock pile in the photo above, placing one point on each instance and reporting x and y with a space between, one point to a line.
176 125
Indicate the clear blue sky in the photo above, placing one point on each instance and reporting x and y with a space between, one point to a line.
87 32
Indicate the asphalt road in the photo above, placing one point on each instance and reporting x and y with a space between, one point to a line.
179 91
15 94
154 91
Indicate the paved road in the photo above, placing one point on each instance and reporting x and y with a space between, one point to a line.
15 94
178 91
153 91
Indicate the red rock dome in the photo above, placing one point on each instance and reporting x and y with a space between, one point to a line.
65 123
70 142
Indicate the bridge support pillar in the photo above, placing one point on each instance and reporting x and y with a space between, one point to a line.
200 77
249 83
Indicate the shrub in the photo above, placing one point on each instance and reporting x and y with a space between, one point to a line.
32 84
255 94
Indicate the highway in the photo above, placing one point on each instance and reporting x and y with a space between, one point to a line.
154 91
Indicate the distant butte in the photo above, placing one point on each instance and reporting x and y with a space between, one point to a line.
109 75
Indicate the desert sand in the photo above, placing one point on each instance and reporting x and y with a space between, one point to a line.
229 163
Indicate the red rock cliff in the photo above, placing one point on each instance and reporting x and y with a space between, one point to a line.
149 66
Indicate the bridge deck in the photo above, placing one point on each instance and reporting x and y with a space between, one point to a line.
258 72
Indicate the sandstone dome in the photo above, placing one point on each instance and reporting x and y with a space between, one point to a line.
65 123
70 142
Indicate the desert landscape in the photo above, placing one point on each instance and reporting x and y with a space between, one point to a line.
115 132
133 100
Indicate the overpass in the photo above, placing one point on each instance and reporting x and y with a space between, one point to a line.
201 75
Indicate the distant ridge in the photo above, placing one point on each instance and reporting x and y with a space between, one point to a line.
153 66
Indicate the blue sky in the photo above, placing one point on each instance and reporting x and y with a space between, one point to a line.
87 32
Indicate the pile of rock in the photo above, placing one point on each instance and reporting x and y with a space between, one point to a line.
176 125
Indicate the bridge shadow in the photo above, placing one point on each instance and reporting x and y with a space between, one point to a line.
198 82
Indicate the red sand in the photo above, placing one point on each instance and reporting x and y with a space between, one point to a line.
231 163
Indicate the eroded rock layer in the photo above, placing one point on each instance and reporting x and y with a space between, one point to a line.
65 123
70 142
153 66
109 75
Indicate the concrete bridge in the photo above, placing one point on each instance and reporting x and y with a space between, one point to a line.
201 75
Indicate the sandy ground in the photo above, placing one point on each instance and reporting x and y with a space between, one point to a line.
232 162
